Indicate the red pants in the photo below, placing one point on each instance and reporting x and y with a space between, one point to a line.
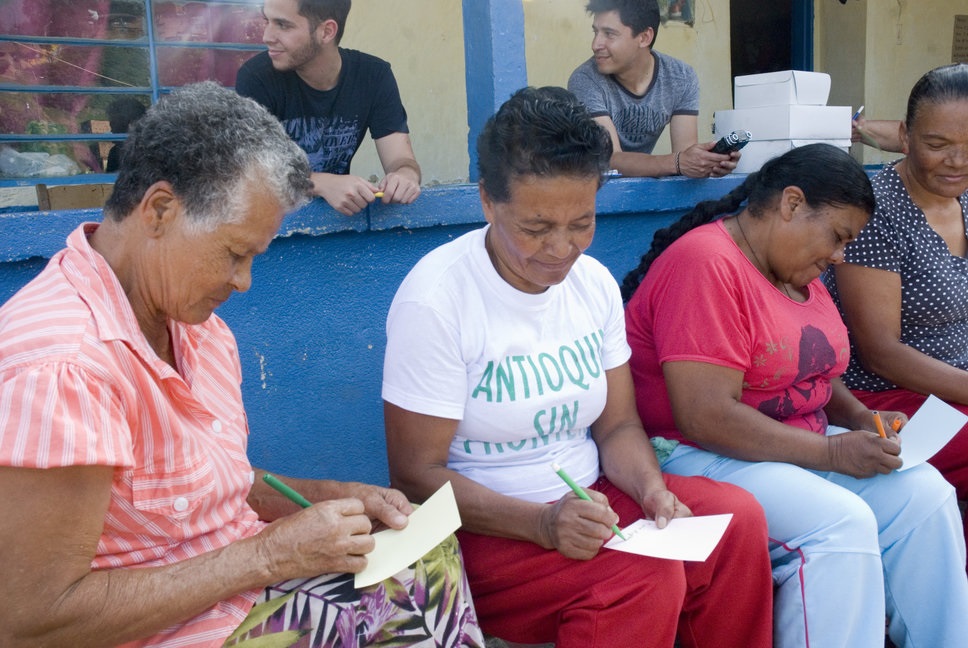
952 460
528 594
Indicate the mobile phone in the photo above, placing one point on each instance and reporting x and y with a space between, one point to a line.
732 142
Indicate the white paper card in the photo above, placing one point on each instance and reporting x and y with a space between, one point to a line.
931 427
395 549
690 538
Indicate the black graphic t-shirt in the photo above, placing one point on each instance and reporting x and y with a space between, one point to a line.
329 125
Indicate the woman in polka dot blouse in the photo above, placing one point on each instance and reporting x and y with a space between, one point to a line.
903 290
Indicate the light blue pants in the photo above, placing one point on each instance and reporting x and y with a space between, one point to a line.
847 551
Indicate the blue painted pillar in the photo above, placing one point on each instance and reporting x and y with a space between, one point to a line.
801 41
494 62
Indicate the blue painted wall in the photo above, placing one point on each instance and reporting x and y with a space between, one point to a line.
311 330
494 62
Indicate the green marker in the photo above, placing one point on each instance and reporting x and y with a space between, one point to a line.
286 490
580 492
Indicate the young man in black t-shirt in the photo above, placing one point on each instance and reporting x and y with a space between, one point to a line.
327 98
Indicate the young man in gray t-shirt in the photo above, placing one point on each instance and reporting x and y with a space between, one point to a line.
633 92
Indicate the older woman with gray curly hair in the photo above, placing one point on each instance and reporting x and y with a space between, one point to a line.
132 515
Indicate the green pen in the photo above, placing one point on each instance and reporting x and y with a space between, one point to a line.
286 490
580 492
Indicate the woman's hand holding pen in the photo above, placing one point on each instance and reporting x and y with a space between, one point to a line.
577 528
892 423
328 537
863 453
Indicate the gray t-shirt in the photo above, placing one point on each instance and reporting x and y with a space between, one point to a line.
639 119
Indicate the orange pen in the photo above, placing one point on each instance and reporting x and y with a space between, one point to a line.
879 424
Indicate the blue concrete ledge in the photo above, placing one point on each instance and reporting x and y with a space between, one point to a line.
29 234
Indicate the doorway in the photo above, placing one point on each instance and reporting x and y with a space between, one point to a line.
770 36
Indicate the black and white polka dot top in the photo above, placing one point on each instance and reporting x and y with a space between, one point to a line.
934 284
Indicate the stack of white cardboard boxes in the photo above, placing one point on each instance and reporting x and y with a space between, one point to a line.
782 110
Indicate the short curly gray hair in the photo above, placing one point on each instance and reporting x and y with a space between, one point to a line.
207 141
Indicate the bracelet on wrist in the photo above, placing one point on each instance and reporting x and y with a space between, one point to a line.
678 170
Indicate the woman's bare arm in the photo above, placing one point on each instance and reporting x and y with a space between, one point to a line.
50 524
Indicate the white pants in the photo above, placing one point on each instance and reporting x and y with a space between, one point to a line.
847 551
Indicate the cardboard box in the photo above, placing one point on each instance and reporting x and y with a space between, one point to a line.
80 196
786 122
755 154
790 87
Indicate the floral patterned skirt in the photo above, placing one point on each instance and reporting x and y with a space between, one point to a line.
427 604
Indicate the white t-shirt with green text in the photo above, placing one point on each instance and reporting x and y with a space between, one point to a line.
523 374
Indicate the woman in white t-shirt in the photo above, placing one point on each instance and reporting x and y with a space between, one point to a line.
506 354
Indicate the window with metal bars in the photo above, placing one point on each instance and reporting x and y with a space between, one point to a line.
75 73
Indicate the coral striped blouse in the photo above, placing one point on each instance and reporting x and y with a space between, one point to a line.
79 385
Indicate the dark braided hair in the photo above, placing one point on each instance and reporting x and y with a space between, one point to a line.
826 175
